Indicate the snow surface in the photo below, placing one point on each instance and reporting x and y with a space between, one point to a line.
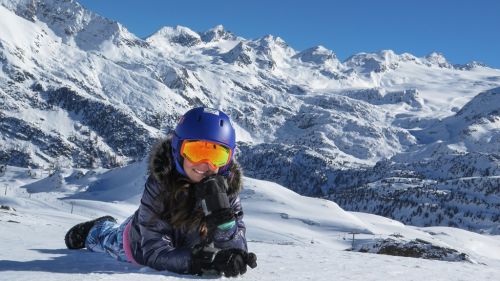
294 237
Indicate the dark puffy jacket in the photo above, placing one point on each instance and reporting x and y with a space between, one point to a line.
154 242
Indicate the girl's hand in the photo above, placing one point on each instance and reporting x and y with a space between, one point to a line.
212 198
230 262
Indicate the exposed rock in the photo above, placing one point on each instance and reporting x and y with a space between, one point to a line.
7 208
415 248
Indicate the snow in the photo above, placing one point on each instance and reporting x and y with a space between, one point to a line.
294 237
307 104
487 246
15 29
177 67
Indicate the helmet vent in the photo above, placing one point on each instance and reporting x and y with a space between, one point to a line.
221 122
199 118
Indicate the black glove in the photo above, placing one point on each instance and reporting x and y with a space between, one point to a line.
230 262
212 198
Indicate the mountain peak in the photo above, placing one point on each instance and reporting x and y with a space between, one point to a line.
180 35
240 54
216 33
73 23
469 66
218 27
178 29
374 62
437 59
270 44
270 39
317 54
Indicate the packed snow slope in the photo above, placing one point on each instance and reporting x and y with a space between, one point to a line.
419 135
294 237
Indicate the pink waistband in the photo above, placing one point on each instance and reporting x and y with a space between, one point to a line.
126 243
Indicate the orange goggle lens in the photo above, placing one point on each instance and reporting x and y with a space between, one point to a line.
198 151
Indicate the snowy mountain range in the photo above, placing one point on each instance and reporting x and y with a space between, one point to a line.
415 139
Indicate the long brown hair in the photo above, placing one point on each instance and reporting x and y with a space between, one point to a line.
180 206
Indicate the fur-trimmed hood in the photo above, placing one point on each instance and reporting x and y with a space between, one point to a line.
162 167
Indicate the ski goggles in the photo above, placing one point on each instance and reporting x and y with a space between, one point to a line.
199 151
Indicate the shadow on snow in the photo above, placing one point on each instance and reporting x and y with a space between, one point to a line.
83 262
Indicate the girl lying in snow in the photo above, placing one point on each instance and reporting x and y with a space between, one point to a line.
190 218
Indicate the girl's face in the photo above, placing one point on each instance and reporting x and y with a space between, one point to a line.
197 172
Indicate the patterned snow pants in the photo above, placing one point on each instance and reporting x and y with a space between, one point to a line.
107 237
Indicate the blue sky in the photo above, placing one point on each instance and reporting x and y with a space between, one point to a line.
462 30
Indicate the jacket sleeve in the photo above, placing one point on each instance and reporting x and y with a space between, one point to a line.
235 236
157 246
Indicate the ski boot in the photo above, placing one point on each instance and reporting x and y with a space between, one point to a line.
75 237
